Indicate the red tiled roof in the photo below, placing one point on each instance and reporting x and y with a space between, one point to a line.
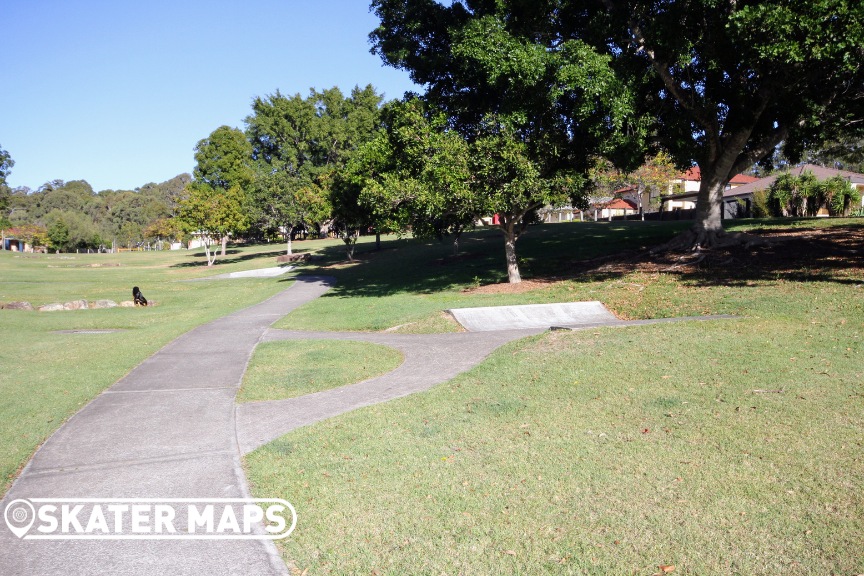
742 179
820 172
621 204
694 174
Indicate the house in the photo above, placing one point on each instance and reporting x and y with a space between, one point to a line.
684 189
738 199
602 209
686 183
14 245
690 181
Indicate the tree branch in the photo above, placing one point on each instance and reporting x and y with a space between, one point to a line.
702 117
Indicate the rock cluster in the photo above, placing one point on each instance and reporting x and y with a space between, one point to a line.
73 305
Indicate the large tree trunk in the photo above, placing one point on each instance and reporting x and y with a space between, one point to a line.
510 251
289 229
708 226
224 244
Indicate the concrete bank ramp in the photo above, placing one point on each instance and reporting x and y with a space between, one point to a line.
529 316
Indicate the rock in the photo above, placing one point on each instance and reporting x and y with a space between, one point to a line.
103 304
19 306
53 307
127 304
76 305
304 257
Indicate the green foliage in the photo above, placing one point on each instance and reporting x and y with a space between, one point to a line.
534 106
301 145
730 81
804 195
761 204
282 203
162 229
6 164
99 217
68 231
224 160
214 213
29 233
415 174
58 234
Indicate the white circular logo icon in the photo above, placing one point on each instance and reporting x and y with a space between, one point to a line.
19 516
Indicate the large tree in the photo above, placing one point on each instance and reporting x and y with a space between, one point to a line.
308 140
282 204
415 174
223 176
535 106
731 80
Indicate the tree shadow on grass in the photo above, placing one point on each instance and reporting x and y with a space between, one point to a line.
428 267
593 252
797 254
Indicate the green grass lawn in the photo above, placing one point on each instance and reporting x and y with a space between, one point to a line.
46 377
294 368
729 447
724 447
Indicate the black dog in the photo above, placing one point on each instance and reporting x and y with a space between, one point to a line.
138 297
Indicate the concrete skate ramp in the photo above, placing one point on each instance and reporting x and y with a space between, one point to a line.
528 316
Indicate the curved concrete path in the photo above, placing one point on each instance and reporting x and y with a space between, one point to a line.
170 429
430 359
166 430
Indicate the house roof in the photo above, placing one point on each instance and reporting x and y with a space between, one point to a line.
694 174
621 204
754 185
625 189
820 172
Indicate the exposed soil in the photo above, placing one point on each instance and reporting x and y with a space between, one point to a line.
831 254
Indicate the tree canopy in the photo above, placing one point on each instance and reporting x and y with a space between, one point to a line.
535 106
301 145
732 80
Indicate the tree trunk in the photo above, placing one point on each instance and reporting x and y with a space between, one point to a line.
639 192
510 251
708 226
350 240
377 240
210 261
290 230
224 244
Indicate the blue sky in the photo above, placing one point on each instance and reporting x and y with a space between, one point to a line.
118 93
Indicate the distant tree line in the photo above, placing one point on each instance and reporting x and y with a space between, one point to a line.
69 216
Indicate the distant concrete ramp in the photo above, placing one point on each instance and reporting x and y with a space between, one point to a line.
529 316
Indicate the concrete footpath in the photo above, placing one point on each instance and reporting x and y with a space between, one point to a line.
166 430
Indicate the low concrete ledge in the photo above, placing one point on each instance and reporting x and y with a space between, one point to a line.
529 316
